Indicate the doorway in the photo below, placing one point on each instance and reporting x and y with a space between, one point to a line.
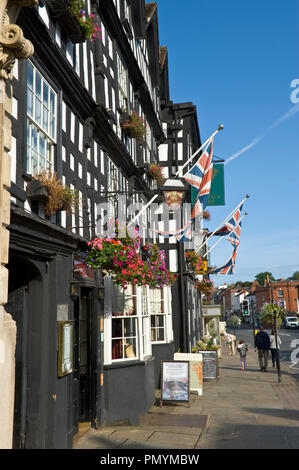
83 403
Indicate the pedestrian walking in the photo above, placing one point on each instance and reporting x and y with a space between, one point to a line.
242 348
262 345
273 349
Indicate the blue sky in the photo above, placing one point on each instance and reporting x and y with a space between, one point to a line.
235 61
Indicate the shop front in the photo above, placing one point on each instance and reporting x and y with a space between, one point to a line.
58 350
129 372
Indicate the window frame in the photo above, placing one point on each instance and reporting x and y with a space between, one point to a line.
165 314
280 293
142 325
32 124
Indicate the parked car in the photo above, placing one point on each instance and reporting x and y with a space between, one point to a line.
291 322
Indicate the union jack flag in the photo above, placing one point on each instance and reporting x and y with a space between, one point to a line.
229 226
229 266
200 175
182 235
232 224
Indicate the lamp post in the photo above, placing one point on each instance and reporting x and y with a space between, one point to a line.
276 344
253 319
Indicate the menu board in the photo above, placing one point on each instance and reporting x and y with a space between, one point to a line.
210 365
175 381
65 348
196 366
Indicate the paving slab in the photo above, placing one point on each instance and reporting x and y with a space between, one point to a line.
242 410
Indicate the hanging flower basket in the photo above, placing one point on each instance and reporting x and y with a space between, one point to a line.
155 172
205 286
74 20
206 215
124 261
90 28
59 197
194 261
37 191
134 126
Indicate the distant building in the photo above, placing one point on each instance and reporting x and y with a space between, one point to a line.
284 293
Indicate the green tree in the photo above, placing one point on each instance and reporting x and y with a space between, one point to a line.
243 283
261 277
267 315
296 276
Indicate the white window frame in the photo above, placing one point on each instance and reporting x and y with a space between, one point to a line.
122 76
37 132
142 326
163 310
280 293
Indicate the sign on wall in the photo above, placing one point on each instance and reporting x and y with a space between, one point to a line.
175 381
65 348
217 196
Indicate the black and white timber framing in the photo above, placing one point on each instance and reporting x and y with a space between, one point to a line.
83 88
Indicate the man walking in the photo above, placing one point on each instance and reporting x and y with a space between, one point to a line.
262 344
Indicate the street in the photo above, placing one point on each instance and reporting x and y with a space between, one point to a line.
242 410
288 342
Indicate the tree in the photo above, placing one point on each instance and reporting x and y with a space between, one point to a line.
242 284
261 278
267 315
296 276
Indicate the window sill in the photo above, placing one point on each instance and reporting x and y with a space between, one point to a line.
134 362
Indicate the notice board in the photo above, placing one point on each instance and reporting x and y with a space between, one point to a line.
210 365
196 371
175 381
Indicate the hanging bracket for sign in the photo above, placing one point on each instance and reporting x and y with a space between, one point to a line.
175 382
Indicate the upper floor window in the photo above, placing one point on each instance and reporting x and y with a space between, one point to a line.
122 83
41 122
280 293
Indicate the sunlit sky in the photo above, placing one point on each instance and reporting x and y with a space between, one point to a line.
236 61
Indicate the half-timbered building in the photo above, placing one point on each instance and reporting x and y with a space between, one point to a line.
87 350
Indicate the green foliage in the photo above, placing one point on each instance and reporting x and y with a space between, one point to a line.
295 276
261 278
123 260
235 320
243 283
87 22
204 344
267 315
135 125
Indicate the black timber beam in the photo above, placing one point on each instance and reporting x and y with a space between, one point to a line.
108 13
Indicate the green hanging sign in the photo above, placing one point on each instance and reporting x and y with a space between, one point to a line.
216 196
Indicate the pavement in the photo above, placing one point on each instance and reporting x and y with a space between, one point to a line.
242 410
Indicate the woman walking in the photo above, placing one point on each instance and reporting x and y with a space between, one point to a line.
273 349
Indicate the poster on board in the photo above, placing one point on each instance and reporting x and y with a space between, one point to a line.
175 381
210 365
196 379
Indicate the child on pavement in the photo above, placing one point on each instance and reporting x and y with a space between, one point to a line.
242 348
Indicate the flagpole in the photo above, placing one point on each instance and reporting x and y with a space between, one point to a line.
221 238
220 127
225 220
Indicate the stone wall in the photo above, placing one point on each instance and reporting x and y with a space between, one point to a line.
12 46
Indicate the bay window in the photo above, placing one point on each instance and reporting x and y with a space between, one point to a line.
127 323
